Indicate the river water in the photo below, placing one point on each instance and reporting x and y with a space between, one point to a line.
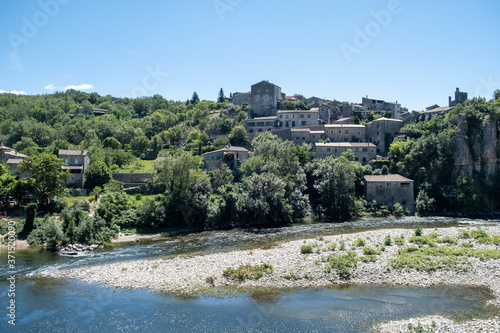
55 305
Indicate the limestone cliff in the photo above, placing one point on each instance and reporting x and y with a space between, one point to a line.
477 149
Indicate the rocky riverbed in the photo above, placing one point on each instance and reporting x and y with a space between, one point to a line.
291 268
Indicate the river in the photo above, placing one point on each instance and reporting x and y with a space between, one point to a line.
47 304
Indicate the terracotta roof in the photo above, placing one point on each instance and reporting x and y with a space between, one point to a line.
72 152
388 178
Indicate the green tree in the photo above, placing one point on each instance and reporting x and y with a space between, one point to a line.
111 143
424 205
238 136
220 177
221 97
195 99
468 192
53 233
97 174
45 170
332 190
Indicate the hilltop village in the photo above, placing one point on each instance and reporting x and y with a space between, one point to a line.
84 167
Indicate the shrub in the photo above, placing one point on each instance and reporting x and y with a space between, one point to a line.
464 234
388 240
419 231
370 251
305 249
343 263
342 245
359 242
210 280
399 240
467 245
448 240
245 272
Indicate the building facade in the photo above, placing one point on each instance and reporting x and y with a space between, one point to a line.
241 98
297 118
230 155
264 99
389 189
77 162
377 130
345 132
363 152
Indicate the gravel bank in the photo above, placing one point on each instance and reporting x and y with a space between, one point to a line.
185 274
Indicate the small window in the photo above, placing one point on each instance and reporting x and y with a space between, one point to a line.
304 123
328 149
257 97
293 123
281 116
346 131
265 97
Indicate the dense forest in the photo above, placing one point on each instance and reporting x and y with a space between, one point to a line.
277 185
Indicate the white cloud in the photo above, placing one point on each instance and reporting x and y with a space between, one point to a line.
79 87
15 92
50 87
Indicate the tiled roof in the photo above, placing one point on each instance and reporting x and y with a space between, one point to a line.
228 149
388 178
14 154
72 152
14 160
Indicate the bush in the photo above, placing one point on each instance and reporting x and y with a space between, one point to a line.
305 249
53 233
343 263
388 240
370 251
399 240
245 272
419 231
359 242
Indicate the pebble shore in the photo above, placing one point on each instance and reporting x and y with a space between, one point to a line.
188 274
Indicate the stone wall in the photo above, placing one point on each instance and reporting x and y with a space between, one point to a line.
133 179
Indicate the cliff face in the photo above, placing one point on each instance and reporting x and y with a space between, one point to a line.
480 151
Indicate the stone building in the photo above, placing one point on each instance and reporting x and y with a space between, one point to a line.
306 135
230 155
241 98
12 159
389 189
363 152
264 99
377 130
261 124
297 118
460 97
345 132
377 105
88 112
77 162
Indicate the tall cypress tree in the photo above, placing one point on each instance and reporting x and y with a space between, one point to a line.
221 97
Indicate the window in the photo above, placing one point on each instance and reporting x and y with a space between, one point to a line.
257 97
265 97
328 149
251 130
303 138
389 185
66 160
365 150
405 184
308 116
76 161
297 138
301 116
258 90
281 116
364 159
303 123
293 123
286 116
346 131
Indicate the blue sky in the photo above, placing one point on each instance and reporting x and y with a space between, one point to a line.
416 52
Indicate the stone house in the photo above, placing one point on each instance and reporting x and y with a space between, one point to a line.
389 189
363 152
264 99
306 135
377 129
345 132
230 155
77 162
298 118
371 104
12 159
241 98
261 124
